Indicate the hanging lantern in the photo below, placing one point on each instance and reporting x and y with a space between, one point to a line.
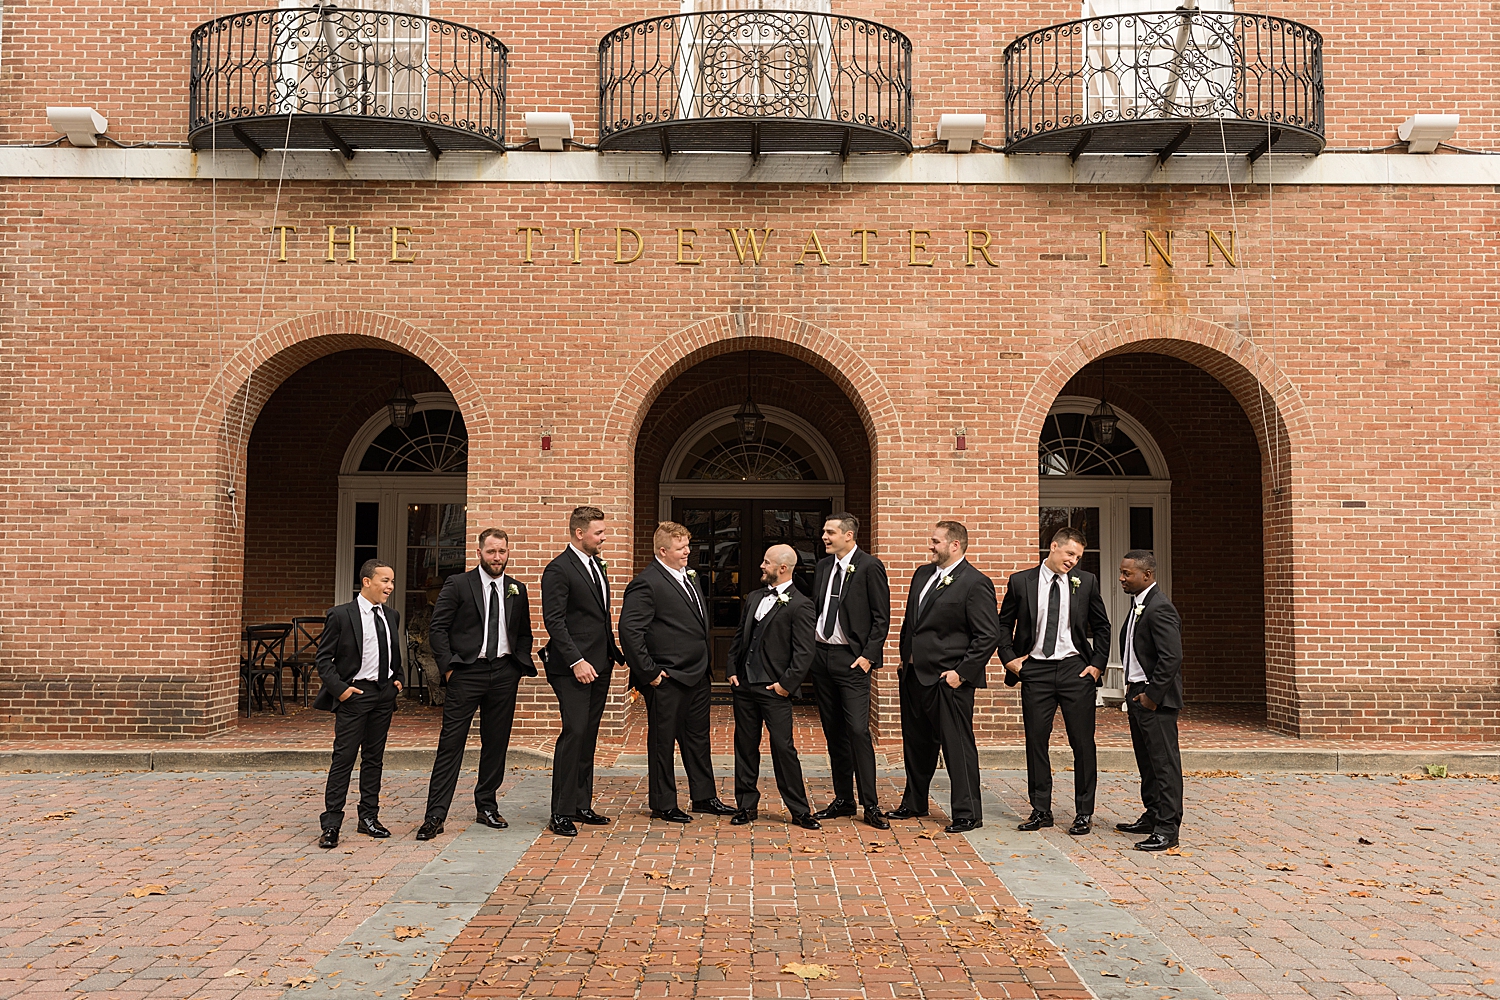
1104 420
749 419
401 406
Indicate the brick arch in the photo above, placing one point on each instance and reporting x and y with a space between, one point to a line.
750 331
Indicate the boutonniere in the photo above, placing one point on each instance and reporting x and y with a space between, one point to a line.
783 599
602 563
512 591
1075 582
1139 609
944 581
692 574
849 570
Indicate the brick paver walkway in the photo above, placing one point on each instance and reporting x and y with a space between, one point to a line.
653 909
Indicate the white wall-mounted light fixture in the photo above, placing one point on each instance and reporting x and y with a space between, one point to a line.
80 125
1422 133
549 129
960 132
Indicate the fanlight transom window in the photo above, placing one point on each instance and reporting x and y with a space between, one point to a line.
777 453
435 443
1068 448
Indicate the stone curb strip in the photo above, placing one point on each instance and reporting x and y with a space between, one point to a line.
1245 760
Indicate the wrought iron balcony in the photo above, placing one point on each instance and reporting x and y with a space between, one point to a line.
330 78
755 81
1178 81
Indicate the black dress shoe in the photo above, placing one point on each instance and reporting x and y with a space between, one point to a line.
1156 842
963 825
743 817
1146 824
491 819
372 828
837 809
876 819
672 815
901 812
713 807
329 840
1081 825
1035 821
806 822
562 826
591 818
429 829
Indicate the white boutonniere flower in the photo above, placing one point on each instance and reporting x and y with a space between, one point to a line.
602 563
512 591
692 574
1139 609
783 599
1075 582
849 570
944 581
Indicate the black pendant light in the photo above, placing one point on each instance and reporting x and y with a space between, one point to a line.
1104 420
402 405
749 417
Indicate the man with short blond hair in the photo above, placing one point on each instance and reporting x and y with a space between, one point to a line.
664 632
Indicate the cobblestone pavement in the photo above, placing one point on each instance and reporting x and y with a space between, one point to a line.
1303 886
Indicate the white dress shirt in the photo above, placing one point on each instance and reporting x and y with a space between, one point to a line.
1065 647
770 599
486 583
680 575
592 571
369 657
932 580
840 573
1135 672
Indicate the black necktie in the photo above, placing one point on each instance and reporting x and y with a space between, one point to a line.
687 584
1129 639
831 614
492 630
594 576
384 643
1054 612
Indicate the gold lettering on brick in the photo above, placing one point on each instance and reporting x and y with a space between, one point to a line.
400 236
864 245
813 245
577 246
983 248
1152 243
755 246
915 246
527 231
1226 252
640 245
333 241
1104 248
685 245
283 231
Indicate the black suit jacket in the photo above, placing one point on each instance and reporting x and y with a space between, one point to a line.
957 630
1087 620
457 628
660 629
1158 648
341 649
577 617
786 639
864 603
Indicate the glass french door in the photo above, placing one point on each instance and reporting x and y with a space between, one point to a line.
730 538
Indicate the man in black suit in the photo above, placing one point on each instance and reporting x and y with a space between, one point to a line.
771 656
853 606
579 656
481 639
664 632
948 634
1151 649
359 661
1057 665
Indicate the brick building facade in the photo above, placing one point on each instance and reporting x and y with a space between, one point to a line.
190 416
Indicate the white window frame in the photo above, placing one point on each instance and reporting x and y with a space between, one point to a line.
1109 92
368 70
692 104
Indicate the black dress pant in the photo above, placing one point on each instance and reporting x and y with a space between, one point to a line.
932 718
360 727
581 707
1047 686
677 715
755 707
488 686
843 694
1154 737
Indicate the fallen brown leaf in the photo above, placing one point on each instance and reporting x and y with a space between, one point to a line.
515 959
406 933
655 875
234 972
64 814
302 982
803 971
1281 866
1359 892
147 890
678 885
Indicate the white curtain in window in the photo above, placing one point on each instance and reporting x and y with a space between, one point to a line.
1151 59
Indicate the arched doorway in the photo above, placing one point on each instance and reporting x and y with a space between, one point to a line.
809 455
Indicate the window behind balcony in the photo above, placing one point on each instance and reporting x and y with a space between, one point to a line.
1156 59
370 61
755 59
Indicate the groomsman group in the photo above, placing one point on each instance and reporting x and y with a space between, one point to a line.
1051 630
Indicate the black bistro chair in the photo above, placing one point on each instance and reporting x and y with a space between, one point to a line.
302 660
264 660
416 679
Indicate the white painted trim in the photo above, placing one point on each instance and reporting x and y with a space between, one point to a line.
581 167
379 421
1155 460
772 414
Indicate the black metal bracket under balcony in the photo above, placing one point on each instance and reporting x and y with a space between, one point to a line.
1166 82
338 79
755 81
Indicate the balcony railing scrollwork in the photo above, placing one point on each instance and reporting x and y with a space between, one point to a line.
332 78
755 81
1166 82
